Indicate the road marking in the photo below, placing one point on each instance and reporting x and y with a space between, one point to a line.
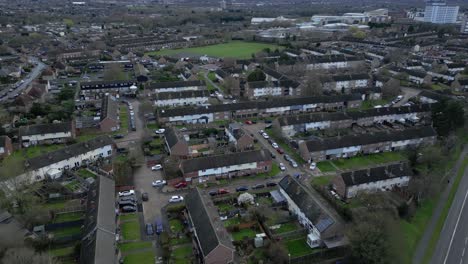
455 229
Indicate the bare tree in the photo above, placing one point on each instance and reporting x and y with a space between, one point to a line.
312 84
114 72
391 89
24 255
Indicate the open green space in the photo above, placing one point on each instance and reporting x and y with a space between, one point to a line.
182 254
233 49
84 173
225 207
67 231
145 257
73 185
249 233
368 160
368 104
440 222
130 230
286 227
232 221
126 217
321 180
179 240
61 252
123 119
298 247
326 166
176 225
66 217
59 204
134 245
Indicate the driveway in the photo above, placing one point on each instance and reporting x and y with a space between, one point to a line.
407 93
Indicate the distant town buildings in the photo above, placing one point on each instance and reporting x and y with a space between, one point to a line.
377 16
438 12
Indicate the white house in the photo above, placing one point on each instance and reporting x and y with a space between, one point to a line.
46 133
164 87
182 98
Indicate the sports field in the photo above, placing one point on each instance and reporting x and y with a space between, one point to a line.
233 49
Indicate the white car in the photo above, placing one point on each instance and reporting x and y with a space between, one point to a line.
176 199
265 136
126 193
294 164
313 166
261 132
160 131
159 183
156 167
274 145
282 167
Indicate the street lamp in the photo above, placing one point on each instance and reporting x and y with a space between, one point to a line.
289 258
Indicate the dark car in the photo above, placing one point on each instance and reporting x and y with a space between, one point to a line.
267 121
242 189
144 196
271 184
128 199
159 226
213 193
258 186
280 150
126 203
273 156
129 209
181 184
149 230
122 150
118 136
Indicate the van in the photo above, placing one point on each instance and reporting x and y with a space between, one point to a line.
159 226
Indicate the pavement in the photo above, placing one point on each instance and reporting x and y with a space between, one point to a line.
29 78
453 241
407 93
441 247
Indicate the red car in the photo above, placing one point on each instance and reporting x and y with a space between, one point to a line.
280 150
181 184
248 122
222 191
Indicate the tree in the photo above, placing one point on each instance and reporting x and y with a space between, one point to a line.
114 72
66 94
123 172
312 84
276 253
391 89
256 75
245 198
231 84
24 255
447 116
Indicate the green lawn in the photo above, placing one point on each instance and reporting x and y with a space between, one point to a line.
152 126
86 137
134 245
34 151
225 207
233 49
440 222
60 252
368 160
123 119
146 257
237 236
65 217
368 104
326 166
68 231
130 230
286 227
182 254
178 241
321 180
232 221
212 76
176 225
73 185
298 247
58 205
84 173
130 216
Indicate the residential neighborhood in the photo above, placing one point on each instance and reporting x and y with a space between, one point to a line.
219 132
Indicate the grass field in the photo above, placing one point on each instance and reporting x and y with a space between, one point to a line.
321 180
233 49
146 257
124 217
84 173
176 225
134 245
286 227
326 166
130 230
60 252
182 254
298 247
362 161
69 231
123 119
66 217
237 236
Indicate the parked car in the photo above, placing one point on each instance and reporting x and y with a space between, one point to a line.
265 136
127 203
271 184
258 186
223 191
313 166
126 193
149 230
294 164
273 156
159 183
181 184
144 196
156 167
160 131
261 132
248 122
128 198
280 150
159 226
128 209
117 136
274 145
242 189
287 157
213 193
176 199
282 167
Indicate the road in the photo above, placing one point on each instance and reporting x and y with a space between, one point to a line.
29 78
452 247
407 93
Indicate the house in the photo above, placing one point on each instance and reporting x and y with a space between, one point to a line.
239 137
98 244
69 157
115 87
456 67
429 97
226 165
346 83
6 147
35 92
46 133
293 124
351 145
323 228
164 87
414 76
279 88
214 244
382 178
332 62
176 145
460 85
109 120
181 98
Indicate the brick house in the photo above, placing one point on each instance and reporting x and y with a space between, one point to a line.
175 144
46 133
239 137
109 115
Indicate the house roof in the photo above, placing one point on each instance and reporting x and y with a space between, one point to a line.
45 129
311 209
219 161
171 136
178 84
68 152
205 218
109 108
463 81
350 77
3 140
98 242
359 140
182 94
456 65
106 84
376 174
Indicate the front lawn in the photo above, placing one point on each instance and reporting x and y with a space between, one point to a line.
61 252
225 207
134 245
129 216
249 233
182 254
66 217
298 247
321 180
326 166
232 221
67 231
286 227
130 230
179 240
84 173
176 225
123 119
368 160
146 257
